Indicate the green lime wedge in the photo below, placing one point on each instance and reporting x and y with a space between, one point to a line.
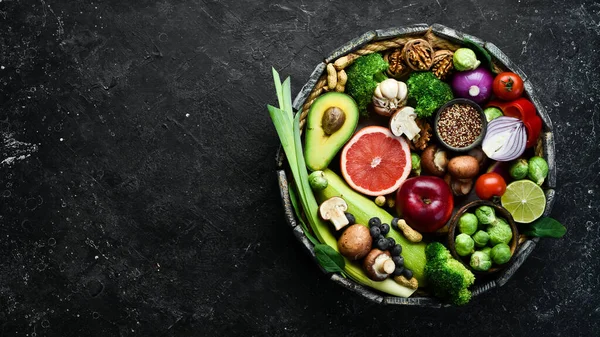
524 200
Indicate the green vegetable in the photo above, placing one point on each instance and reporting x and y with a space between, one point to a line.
492 113
519 169
363 76
545 227
464 244
481 261
329 259
288 130
465 59
363 210
428 91
467 223
448 278
500 232
486 215
481 238
481 53
317 181
500 254
538 170
486 250
415 163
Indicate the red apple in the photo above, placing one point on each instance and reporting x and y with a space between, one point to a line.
425 203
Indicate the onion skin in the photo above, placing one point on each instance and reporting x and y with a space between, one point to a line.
513 146
474 84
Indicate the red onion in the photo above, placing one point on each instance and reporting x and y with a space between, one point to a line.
474 84
505 139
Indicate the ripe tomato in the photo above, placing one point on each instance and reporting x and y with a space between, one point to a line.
489 185
507 86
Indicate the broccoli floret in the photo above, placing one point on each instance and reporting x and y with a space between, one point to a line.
428 91
448 278
363 76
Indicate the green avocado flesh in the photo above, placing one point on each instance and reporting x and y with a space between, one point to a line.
319 147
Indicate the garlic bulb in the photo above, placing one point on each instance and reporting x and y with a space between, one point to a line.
389 95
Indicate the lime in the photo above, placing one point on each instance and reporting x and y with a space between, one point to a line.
524 200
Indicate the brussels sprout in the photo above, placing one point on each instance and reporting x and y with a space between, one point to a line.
486 215
500 254
500 232
464 244
481 238
481 261
465 59
317 181
486 250
416 163
519 169
492 113
538 169
467 223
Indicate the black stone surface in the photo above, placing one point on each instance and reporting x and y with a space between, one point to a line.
139 194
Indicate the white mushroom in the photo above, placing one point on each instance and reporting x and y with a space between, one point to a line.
403 123
333 210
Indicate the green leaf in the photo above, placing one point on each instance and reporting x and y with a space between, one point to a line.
298 211
481 53
329 259
546 228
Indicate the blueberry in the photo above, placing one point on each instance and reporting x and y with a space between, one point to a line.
378 237
396 250
375 232
395 223
398 271
351 219
385 228
407 273
391 242
374 222
382 244
398 260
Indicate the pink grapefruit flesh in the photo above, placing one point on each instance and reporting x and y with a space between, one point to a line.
375 162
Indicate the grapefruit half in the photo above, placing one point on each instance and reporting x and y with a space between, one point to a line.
375 162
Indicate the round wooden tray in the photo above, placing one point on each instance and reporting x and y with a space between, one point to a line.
544 148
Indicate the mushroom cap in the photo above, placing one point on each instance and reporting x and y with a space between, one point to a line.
463 167
355 243
434 160
369 264
331 204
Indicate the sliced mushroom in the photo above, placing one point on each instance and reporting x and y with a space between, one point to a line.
378 265
333 210
403 123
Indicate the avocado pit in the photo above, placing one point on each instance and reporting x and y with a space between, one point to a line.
332 120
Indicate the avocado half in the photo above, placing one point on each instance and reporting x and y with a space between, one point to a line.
320 147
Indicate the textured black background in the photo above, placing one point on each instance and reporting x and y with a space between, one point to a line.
142 197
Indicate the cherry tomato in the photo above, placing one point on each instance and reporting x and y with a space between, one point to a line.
490 185
507 86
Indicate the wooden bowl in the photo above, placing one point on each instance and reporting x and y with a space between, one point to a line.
500 212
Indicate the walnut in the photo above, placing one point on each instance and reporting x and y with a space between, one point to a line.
442 64
422 139
418 54
395 59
